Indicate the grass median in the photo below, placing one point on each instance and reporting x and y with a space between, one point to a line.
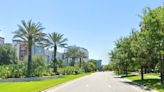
150 80
36 86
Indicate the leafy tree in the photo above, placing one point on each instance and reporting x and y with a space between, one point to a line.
7 55
90 66
29 33
152 21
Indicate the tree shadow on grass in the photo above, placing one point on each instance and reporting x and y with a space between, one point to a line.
128 76
124 76
150 83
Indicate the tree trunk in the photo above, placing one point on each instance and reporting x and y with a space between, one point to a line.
142 73
126 71
67 61
145 70
55 59
80 62
162 69
29 57
73 61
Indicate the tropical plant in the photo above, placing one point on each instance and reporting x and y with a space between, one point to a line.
29 33
54 41
70 70
60 63
81 55
73 54
90 66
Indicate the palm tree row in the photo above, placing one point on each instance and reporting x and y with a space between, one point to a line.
30 33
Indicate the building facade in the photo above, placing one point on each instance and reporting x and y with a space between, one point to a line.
99 64
68 59
22 51
2 40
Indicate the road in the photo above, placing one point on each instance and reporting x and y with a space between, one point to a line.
99 82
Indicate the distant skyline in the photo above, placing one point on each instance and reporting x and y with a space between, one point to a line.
92 24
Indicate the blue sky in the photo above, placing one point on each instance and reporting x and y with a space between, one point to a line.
92 24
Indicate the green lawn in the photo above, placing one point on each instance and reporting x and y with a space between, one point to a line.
151 80
36 86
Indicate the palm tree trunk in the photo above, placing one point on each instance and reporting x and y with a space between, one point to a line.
29 57
67 62
80 62
55 59
73 61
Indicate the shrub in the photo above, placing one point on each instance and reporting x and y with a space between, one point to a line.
70 70
7 55
39 68
89 67
12 70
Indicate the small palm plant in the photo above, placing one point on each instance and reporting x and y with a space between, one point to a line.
73 54
81 55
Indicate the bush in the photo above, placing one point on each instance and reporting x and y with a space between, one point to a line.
12 70
7 55
70 70
89 67
39 68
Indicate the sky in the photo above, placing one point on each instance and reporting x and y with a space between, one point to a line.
92 24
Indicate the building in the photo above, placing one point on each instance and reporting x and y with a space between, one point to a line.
2 40
22 51
99 64
49 55
85 58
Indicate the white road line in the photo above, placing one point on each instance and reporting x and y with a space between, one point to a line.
87 85
109 86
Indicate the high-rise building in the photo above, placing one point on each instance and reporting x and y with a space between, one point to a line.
2 40
99 64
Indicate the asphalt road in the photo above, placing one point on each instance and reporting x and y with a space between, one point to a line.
99 82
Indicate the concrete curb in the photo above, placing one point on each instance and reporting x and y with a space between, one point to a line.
30 79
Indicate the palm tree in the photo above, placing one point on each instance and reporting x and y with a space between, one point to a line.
73 54
29 33
81 55
54 41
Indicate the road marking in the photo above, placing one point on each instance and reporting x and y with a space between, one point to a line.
109 86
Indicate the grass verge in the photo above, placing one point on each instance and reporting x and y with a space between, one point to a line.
36 86
150 80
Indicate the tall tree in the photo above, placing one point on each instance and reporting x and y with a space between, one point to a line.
54 41
73 54
29 33
152 21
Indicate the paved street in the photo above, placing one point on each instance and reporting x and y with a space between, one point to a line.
98 82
